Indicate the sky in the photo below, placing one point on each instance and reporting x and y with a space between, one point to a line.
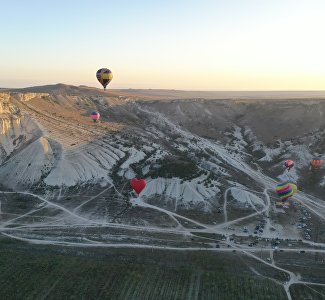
169 44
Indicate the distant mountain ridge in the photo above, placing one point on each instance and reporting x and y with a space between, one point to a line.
164 94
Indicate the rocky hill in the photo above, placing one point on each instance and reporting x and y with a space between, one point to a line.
213 161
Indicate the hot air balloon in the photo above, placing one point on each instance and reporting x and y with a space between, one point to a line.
138 185
316 163
95 116
286 190
104 76
288 164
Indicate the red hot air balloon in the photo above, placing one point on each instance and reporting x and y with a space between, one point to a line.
138 185
288 164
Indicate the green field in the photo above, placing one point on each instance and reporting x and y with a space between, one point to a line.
52 272
307 292
310 266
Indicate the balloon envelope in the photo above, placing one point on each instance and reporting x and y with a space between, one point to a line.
316 163
95 116
138 185
289 164
286 190
104 76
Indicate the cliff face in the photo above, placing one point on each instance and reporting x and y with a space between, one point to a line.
28 96
16 128
4 97
25 154
5 105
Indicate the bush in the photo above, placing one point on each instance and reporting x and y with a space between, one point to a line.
175 167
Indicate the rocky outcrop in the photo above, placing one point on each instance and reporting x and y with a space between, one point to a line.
5 106
4 97
28 96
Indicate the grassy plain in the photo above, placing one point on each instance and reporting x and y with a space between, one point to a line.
53 272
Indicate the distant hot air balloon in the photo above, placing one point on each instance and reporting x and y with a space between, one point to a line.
104 76
289 164
138 185
95 116
286 190
316 163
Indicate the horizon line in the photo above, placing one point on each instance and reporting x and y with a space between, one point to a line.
161 89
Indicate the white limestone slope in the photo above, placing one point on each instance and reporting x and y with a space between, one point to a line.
186 192
16 129
29 154
48 160
246 197
79 165
28 166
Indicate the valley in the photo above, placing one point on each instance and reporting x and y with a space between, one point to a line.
211 167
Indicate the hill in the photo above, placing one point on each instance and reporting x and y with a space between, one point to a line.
211 161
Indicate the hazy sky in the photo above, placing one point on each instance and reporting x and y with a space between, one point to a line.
179 44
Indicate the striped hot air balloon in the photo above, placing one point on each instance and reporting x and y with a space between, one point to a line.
316 163
286 190
95 116
289 164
